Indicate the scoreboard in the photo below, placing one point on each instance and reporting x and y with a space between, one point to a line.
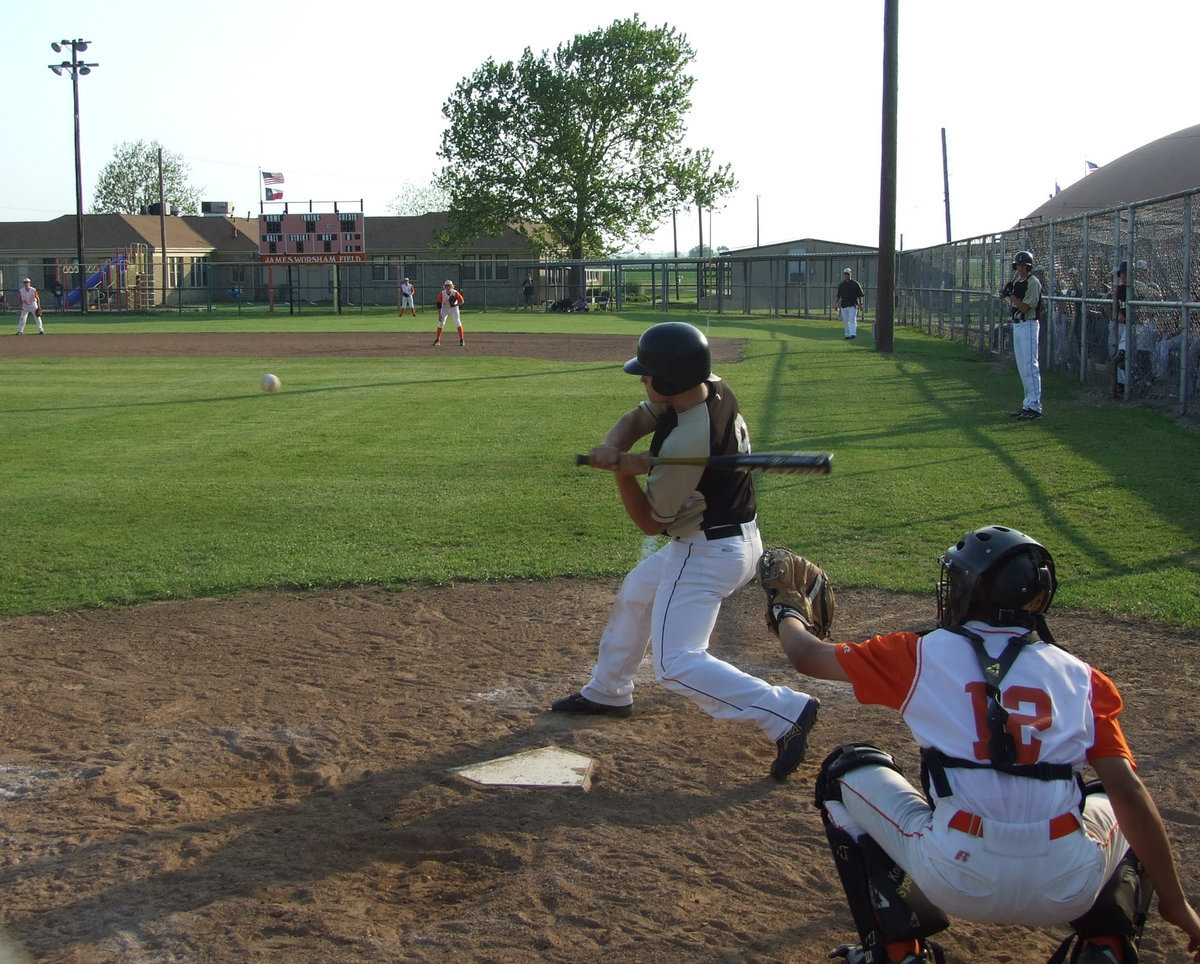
311 237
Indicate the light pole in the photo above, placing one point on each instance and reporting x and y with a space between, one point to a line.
76 67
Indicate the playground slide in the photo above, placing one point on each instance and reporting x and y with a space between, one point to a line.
94 280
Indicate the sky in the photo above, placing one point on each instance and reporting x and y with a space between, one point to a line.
345 100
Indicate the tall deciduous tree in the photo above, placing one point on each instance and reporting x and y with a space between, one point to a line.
129 182
416 199
580 149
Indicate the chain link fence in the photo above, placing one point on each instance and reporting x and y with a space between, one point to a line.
951 291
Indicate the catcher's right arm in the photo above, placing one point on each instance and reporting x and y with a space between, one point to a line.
796 587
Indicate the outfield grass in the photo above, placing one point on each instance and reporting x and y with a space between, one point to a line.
137 479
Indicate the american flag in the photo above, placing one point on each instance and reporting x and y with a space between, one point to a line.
274 195
270 178
1089 167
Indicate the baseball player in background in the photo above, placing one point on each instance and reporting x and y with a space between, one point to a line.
448 300
408 297
670 600
849 301
1024 297
1005 831
30 304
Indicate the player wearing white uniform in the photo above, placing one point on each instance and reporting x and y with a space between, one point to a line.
407 293
1025 299
448 300
1006 722
30 305
670 600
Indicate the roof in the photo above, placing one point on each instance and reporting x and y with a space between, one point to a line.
1169 165
231 237
110 232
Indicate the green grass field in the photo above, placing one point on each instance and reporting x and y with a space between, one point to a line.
138 479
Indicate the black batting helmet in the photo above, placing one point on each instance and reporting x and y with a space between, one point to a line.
675 355
996 574
1023 257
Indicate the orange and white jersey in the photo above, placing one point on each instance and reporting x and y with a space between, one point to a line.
1061 711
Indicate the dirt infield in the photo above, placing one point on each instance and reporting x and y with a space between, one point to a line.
564 346
267 777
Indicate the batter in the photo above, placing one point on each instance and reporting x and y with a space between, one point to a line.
671 599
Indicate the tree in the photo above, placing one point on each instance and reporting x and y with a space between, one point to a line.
578 150
129 182
417 199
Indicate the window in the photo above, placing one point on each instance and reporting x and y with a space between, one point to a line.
485 267
797 271
383 269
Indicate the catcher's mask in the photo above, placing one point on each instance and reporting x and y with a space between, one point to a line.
996 574
675 355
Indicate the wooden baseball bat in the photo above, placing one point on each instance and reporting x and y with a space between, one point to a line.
791 463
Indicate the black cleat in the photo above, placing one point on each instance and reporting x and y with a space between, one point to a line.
793 745
578 703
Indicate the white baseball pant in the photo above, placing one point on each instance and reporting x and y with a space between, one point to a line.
671 601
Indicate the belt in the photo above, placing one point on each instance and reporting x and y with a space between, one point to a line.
723 532
972 824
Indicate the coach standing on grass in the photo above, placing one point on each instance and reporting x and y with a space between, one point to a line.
849 300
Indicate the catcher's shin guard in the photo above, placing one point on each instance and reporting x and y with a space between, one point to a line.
842 760
1119 911
885 903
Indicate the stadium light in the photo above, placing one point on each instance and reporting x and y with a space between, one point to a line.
76 67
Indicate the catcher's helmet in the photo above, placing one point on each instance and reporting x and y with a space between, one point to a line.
674 354
996 574
1023 257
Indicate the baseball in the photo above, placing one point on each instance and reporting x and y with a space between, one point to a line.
270 383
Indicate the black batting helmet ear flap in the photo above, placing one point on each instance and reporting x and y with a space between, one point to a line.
675 355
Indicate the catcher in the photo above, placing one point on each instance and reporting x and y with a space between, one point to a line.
1004 830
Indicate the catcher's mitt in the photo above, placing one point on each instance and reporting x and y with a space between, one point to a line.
795 586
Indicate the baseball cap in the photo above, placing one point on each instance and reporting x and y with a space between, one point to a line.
846 271
26 282
450 283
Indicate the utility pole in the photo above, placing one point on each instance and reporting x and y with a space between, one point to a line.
946 186
886 298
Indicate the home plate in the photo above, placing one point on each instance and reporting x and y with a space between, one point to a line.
547 766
